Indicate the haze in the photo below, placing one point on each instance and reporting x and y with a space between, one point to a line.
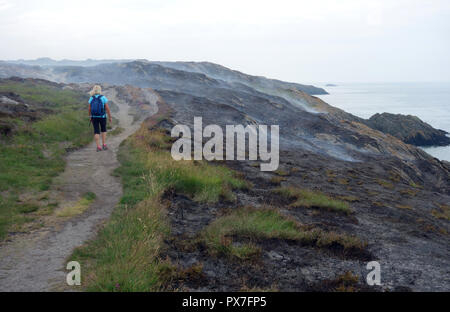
302 41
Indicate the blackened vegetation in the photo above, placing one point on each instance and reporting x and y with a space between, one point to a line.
387 210
279 265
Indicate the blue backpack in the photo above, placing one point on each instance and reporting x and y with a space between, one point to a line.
97 107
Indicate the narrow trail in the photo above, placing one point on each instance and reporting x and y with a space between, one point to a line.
36 261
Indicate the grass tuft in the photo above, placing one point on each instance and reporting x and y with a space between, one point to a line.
313 199
79 207
28 207
249 223
259 224
200 180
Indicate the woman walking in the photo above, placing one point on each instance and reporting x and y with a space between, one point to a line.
98 108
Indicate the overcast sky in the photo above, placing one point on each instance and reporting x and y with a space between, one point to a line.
302 41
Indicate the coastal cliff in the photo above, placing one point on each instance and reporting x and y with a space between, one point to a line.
353 193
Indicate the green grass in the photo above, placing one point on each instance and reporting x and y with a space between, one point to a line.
201 181
313 199
28 207
125 254
259 224
249 223
44 94
33 155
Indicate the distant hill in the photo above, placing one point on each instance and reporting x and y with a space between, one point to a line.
46 61
212 70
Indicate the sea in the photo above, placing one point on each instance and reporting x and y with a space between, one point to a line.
430 101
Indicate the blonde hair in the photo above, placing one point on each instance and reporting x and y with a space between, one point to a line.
95 90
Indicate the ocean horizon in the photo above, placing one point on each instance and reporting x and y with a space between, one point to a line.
430 101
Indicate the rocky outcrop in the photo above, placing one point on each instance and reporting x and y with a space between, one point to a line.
409 129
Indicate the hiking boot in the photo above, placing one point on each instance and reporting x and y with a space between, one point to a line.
99 149
105 147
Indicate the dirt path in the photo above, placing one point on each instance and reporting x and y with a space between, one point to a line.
36 261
